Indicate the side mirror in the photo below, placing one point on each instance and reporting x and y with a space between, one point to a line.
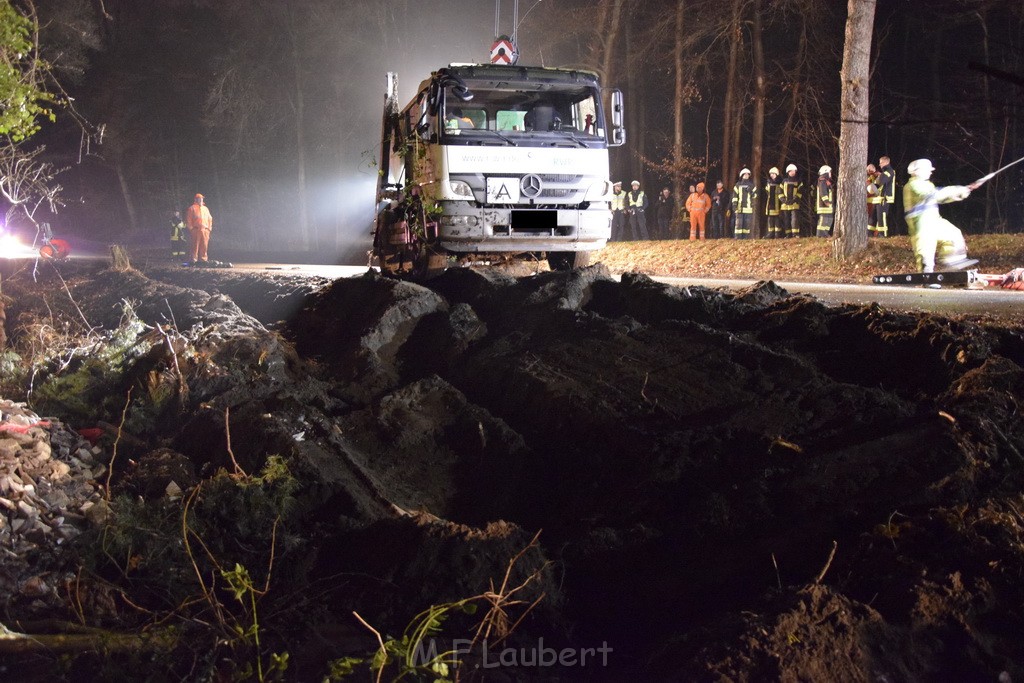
618 132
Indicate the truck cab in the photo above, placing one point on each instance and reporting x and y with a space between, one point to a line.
492 162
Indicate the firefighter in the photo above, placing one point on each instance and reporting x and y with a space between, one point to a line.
719 203
772 206
178 238
874 192
698 204
618 211
824 204
791 192
200 224
931 235
744 194
887 191
636 200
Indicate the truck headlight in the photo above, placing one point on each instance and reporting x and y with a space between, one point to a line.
598 191
460 188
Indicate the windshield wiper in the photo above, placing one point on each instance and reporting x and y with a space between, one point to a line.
496 134
575 139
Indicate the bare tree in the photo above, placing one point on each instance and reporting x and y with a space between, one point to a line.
851 226
27 182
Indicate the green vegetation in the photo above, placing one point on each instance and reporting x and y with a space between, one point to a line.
22 98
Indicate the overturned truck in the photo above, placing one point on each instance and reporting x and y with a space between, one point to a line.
493 163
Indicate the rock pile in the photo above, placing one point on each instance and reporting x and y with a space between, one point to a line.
48 492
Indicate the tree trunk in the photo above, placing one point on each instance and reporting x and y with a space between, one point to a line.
990 187
757 143
637 112
608 58
851 194
731 100
677 143
795 82
610 12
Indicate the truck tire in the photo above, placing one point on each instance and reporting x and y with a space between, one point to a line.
568 260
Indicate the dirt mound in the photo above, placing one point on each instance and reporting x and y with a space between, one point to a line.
746 485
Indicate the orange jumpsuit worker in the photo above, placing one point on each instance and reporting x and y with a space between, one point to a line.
200 223
698 204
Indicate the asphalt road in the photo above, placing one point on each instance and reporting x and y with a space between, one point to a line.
999 303
948 301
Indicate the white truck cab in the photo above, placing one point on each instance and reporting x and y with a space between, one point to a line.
493 162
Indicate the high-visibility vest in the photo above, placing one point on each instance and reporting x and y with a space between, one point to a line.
619 201
198 217
638 201
698 202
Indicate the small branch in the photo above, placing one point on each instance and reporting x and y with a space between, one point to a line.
380 641
113 457
239 472
828 563
98 640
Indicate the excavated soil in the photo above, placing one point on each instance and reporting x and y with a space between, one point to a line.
690 484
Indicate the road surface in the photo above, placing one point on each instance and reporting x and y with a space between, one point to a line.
949 301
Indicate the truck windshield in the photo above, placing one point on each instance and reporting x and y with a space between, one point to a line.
544 114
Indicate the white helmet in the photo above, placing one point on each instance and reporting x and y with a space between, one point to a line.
824 169
920 168
791 167
744 170
773 169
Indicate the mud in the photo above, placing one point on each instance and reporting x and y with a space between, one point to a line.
726 485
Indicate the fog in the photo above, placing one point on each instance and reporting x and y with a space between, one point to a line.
247 101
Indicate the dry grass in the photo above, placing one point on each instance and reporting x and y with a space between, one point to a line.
804 259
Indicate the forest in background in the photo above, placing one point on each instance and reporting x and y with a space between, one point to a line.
272 109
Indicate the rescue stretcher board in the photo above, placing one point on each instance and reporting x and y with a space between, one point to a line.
961 278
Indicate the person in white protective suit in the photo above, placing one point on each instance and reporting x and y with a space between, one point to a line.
931 235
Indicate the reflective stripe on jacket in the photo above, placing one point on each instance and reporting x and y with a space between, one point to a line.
824 203
771 203
698 202
791 191
743 195
888 184
198 216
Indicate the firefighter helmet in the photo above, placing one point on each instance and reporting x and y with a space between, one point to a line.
199 196
920 168
635 182
824 169
744 171
791 167
773 169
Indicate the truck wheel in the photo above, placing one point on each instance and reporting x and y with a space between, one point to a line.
568 260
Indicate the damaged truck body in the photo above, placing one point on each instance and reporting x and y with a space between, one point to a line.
493 163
